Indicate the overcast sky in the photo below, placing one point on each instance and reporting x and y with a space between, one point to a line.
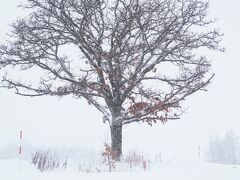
51 121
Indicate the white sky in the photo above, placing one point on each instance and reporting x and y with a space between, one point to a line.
49 121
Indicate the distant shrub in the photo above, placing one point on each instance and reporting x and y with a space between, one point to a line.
46 160
134 158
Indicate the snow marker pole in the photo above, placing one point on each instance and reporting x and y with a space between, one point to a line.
199 152
20 150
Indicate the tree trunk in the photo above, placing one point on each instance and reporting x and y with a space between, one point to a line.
116 137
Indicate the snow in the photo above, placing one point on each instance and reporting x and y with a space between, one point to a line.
9 170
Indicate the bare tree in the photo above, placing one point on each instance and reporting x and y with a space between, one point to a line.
224 150
231 147
134 60
215 152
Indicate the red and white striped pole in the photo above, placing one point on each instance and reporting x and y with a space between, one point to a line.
20 149
199 152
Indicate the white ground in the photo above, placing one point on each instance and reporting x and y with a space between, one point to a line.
165 171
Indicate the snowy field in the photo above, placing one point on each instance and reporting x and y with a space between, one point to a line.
165 171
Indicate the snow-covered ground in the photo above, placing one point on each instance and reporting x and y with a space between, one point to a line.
9 170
